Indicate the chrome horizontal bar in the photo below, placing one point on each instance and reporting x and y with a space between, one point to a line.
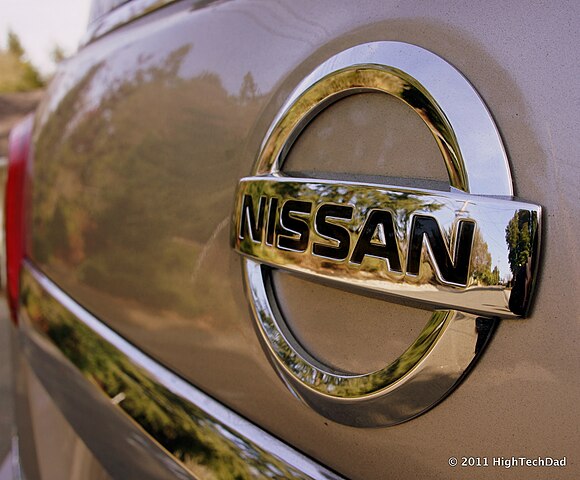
443 249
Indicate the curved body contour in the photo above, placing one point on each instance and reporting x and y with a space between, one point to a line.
138 150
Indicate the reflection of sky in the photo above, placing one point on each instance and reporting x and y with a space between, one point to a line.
491 220
138 50
68 21
292 33
496 243
496 221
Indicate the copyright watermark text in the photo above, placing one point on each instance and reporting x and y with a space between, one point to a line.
508 462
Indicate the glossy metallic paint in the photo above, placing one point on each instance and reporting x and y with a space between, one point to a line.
146 132
129 410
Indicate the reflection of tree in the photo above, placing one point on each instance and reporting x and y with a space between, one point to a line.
131 172
249 89
520 235
518 238
481 270
401 204
358 385
202 443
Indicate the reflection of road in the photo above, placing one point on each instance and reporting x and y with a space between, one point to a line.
493 300
5 398
486 301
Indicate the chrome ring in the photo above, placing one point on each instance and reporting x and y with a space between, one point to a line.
476 163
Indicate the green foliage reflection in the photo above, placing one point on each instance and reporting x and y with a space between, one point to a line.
205 446
119 203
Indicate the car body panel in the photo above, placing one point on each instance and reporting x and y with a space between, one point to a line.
129 411
146 132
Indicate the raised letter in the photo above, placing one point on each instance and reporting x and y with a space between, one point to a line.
451 270
290 226
388 251
339 233
271 227
247 215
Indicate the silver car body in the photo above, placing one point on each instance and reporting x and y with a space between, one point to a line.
136 354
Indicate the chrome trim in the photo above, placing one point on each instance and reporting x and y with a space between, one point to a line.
491 277
46 309
450 107
479 175
10 464
16 470
99 8
413 383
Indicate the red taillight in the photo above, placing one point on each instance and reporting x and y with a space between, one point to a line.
15 224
